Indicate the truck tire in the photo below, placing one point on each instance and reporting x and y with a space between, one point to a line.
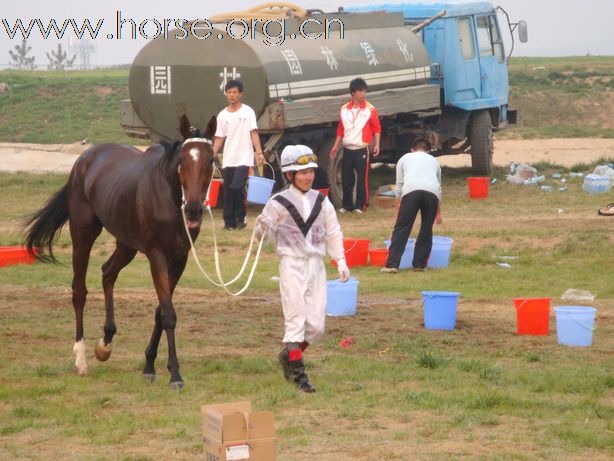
481 143
335 192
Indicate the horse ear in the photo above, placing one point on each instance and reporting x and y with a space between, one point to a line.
211 127
184 126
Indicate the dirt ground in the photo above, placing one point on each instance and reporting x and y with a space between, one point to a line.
59 158
487 325
491 325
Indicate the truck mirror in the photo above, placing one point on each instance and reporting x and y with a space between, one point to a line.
523 33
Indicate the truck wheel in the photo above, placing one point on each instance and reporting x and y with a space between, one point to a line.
335 192
481 143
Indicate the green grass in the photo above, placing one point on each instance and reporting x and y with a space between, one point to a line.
562 97
478 392
63 107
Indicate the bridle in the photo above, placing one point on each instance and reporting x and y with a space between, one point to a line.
221 283
189 140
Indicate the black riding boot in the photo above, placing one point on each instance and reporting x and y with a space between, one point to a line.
300 377
294 370
284 361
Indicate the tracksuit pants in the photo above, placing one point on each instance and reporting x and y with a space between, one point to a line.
235 208
411 203
302 283
355 161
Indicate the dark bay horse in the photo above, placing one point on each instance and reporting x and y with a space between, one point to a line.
137 197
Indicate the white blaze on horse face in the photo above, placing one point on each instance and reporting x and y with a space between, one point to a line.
194 153
80 362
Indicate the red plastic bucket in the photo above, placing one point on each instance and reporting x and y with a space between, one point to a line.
478 187
533 316
214 192
15 255
323 191
356 252
378 256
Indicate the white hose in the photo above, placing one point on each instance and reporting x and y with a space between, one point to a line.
216 253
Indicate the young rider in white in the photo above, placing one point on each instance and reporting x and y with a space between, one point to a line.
305 227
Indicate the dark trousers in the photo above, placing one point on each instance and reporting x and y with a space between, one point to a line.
355 161
235 179
426 203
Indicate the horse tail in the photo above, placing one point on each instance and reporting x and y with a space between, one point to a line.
43 227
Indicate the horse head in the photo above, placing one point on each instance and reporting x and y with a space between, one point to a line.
195 168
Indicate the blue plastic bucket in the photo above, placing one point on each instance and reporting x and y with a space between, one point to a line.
440 309
575 325
341 297
259 189
440 253
408 254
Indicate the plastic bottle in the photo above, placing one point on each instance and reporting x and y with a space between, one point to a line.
530 181
512 168
556 175
575 174
563 189
546 188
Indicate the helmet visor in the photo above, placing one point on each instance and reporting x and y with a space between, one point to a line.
303 160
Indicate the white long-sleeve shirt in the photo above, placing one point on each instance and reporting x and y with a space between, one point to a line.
418 171
324 236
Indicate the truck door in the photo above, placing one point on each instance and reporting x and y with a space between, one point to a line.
493 68
462 80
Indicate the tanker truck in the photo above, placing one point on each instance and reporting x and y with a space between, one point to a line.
434 69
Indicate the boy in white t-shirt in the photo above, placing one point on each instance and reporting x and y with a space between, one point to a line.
238 132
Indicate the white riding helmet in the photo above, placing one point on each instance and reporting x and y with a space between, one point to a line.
296 158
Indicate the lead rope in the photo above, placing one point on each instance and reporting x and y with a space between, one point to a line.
216 253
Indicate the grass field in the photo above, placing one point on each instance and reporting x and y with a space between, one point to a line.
555 97
400 392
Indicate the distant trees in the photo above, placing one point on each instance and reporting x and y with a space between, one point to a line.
58 60
21 58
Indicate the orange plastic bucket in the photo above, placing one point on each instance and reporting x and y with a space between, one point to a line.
478 187
378 256
533 316
356 252
323 191
15 255
214 192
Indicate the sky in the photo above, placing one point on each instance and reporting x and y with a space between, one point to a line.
556 27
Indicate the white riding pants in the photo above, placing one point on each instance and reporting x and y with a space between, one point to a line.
302 283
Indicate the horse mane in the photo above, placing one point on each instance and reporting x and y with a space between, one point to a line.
171 151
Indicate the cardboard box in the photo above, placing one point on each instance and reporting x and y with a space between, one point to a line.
232 432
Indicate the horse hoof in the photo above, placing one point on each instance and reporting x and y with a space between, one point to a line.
102 350
81 371
151 377
176 385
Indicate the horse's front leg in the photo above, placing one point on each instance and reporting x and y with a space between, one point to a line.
168 318
175 272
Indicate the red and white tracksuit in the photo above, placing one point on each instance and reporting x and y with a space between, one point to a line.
357 125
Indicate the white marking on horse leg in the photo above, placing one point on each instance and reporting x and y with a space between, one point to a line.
80 362
194 153
102 351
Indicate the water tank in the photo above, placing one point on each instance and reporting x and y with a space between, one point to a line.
171 76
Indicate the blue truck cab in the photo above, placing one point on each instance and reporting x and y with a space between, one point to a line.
468 60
